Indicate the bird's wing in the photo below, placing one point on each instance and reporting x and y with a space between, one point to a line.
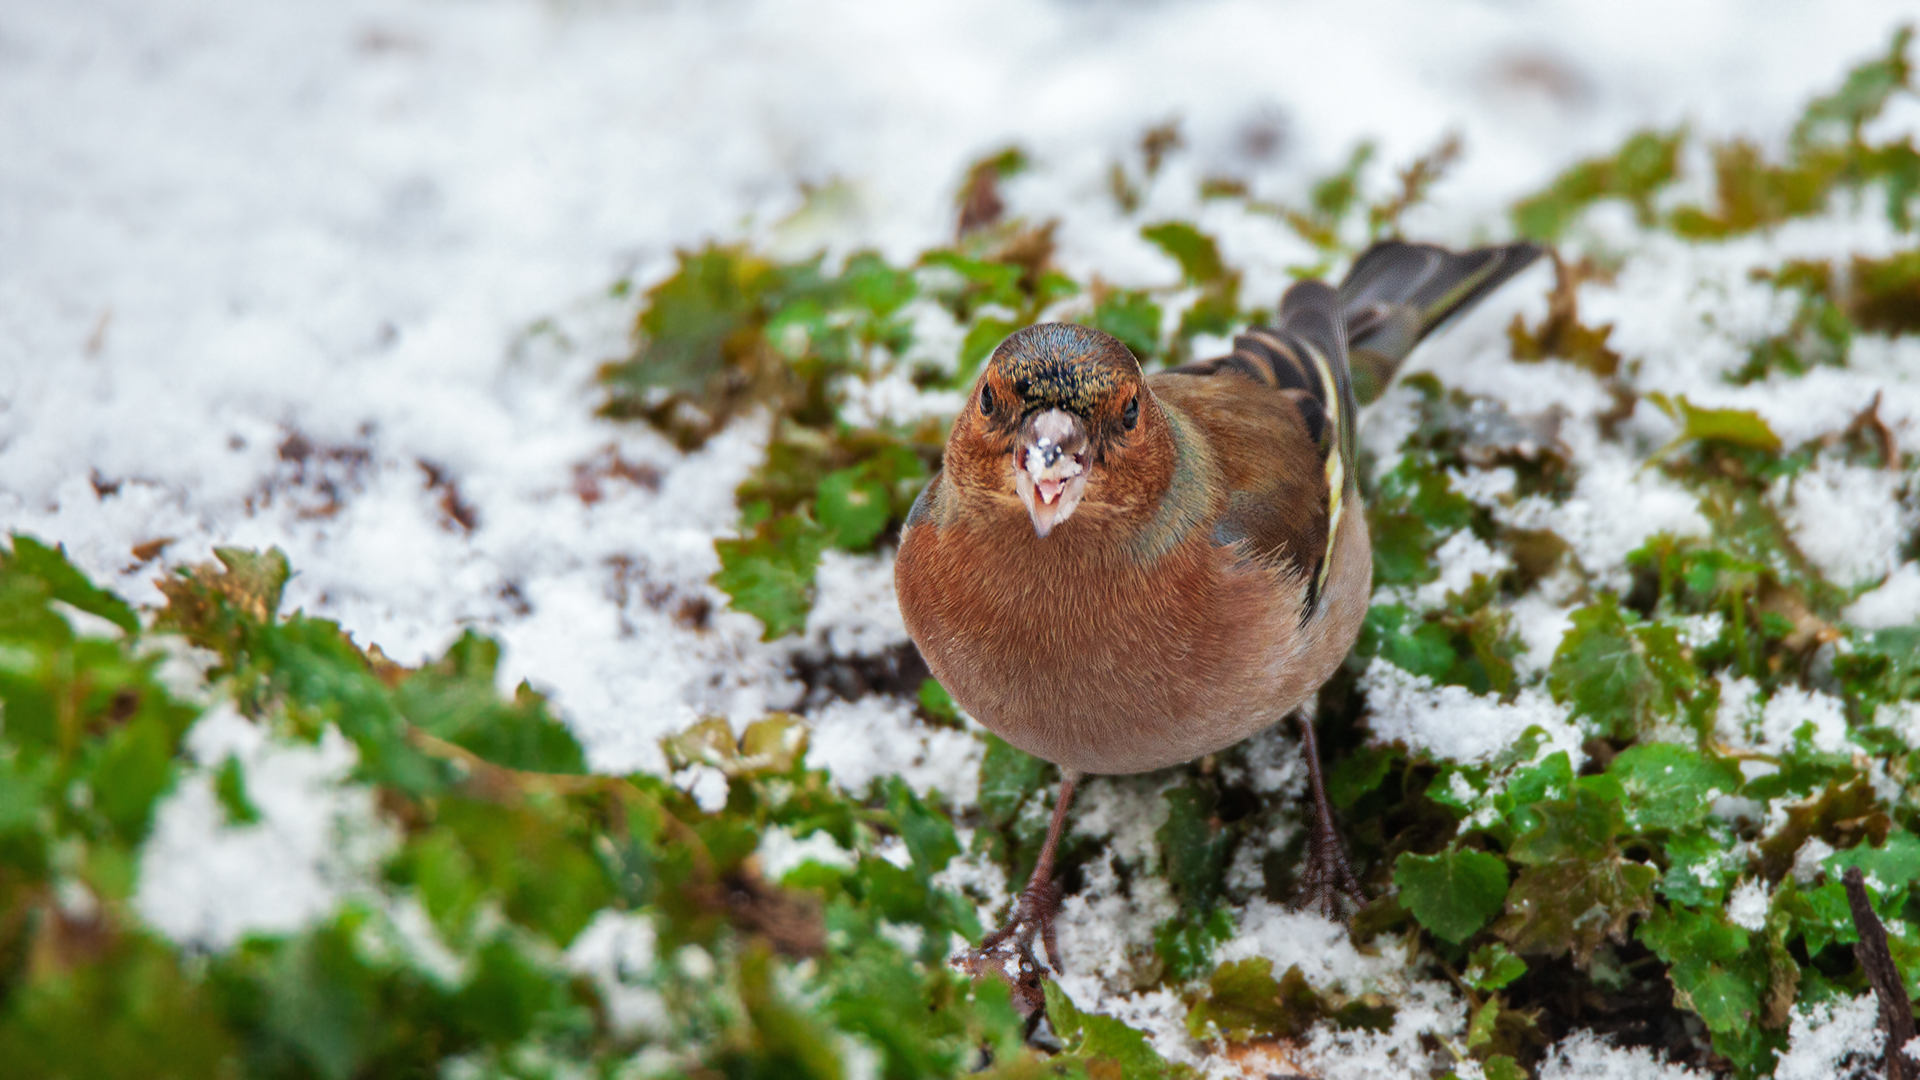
1397 293
1279 413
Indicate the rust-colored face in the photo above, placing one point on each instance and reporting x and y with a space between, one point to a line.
1057 413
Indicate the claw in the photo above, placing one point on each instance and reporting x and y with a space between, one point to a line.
1328 878
1007 953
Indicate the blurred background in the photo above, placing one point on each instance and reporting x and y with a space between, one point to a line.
220 221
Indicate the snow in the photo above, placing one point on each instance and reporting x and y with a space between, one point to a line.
862 741
1586 1056
1747 907
616 952
1823 1036
1453 723
1848 520
780 851
207 882
1774 727
1895 602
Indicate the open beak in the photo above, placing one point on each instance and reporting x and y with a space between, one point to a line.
1050 467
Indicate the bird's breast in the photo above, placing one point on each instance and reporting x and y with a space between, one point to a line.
1071 649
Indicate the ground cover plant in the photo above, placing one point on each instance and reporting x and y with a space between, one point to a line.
1640 683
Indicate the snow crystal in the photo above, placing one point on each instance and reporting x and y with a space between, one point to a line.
1811 860
1616 505
854 610
1319 947
1540 624
1847 520
1453 723
1896 602
1108 925
1460 558
208 883
1903 719
1426 1012
893 400
1792 709
780 851
861 741
617 954
1823 1036
706 784
1586 1056
1748 905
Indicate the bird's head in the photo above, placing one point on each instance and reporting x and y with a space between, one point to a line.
1053 420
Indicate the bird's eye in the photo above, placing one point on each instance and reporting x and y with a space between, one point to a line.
1132 415
986 401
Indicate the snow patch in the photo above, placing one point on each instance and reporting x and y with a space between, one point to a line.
206 882
1453 723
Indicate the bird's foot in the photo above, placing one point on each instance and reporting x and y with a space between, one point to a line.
1007 953
1328 882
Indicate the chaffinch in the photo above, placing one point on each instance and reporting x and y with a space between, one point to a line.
1119 572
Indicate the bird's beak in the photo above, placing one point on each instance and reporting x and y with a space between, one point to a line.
1050 467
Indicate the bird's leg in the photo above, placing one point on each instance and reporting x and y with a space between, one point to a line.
1008 951
1328 877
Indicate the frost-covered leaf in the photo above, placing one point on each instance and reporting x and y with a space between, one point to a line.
1669 786
1102 1043
1575 905
1244 1001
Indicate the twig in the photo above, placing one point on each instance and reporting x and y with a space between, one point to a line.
1896 1011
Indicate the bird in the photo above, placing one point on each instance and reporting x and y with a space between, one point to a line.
1119 571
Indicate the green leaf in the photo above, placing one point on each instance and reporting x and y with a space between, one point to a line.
1581 826
929 835
1502 1067
1453 893
937 702
1195 251
1699 868
453 698
1192 848
67 583
769 573
1132 317
1741 427
1669 786
1601 671
853 507
1358 774
1097 1040
1575 905
1411 515
1647 162
134 767
1008 777
1714 971
1492 967
230 787
981 339
1185 942
1243 1001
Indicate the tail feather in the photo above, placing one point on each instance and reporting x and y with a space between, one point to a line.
1329 349
1397 293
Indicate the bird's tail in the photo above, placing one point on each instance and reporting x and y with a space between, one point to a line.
1397 293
